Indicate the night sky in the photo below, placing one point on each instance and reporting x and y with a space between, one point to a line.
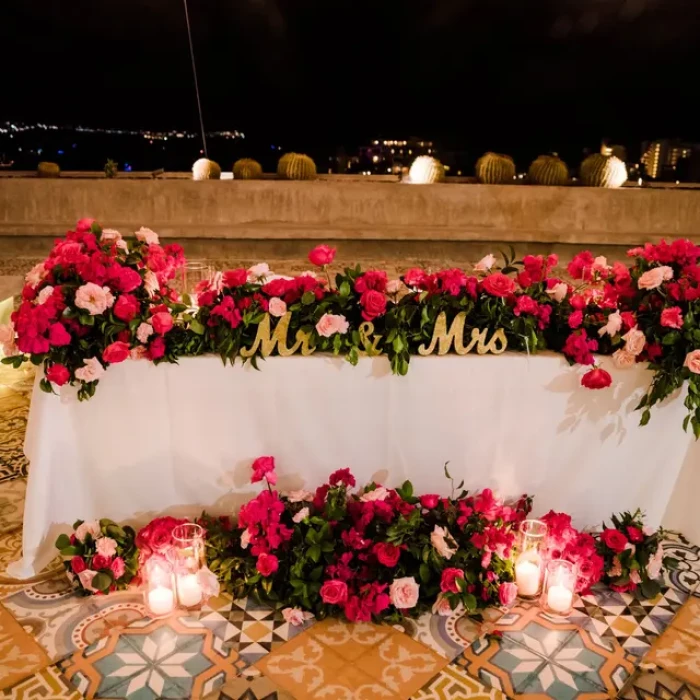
508 75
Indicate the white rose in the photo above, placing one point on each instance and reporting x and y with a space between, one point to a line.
486 263
245 539
438 538
559 291
624 359
612 326
296 616
258 272
147 236
635 341
89 527
379 494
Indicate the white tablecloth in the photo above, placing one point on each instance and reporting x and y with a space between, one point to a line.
178 438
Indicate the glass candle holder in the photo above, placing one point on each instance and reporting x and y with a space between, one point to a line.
559 587
529 562
159 587
190 275
189 561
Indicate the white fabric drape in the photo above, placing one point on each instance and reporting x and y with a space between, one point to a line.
179 438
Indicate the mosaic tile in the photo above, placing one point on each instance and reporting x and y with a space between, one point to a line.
174 657
688 619
687 576
453 683
678 653
633 621
10 548
47 684
448 635
15 392
349 640
20 655
659 685
249 687
252 628
12 504
63 622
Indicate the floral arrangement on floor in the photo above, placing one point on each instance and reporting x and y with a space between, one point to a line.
633 555
100 556
566 542
101 298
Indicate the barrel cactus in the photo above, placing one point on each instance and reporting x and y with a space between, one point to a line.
45 169
205 169
246 169
296 166
426 170
495 169
548 170
599 170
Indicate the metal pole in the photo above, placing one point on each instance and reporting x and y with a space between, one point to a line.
196 84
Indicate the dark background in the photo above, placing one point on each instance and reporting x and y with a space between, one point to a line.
517 76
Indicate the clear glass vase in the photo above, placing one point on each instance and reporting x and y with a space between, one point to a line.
529 562
559 587
159 587
189 561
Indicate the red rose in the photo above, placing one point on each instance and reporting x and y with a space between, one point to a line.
126 308
334 592
77 564
448 582
267 564
596 379
58 335
235 278
58 374
162 322
100 562
116 352
429 500
161 536
635 534
498 285
387 554
342 476
614 539
156 349
373 304
125 279
84 225
264 468
322 255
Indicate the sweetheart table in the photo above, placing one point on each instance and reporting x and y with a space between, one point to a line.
174 439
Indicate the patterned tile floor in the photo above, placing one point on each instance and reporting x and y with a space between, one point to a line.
58 646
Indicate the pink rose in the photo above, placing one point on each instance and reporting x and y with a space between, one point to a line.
334 592
692 361
267 564
635 341
126 308
302 515
393 286
118 567
507 593
44 295
378 494
162 322
147 236
245 539
58 374
109 235
486 263
613 325
264 468
498 285
449 579
106 546
100 562
93 298
7 339
299 496
144 332
258 272
443 608
635 577
624 359
653 278
295 616
672 317
115 352
77 564
559 291
277 307
322 255
404 593
373 304
329 324
86 578
438 538
138 353
35 275
429 500
89 527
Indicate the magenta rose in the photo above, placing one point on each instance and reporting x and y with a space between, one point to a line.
162 322
267 564
77 564
498 285
235 278
334 592
448 582
322 255
126 308
84 225
507 593
264 468
614 539
116 352
58 335
58 374
99 562
156 348
373 304
429 500
672 318
118 567
387 554
635 534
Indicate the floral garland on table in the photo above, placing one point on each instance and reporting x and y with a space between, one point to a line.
633 555
100 556
100 298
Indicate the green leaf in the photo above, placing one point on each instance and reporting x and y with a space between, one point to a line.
671 338
650 589
314 553
646 415
102 581
308 298
197 327
70 551
470 601
424 572
62 541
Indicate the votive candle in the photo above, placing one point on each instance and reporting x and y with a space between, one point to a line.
189 592
161 600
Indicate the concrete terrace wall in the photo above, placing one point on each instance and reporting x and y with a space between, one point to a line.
340 208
